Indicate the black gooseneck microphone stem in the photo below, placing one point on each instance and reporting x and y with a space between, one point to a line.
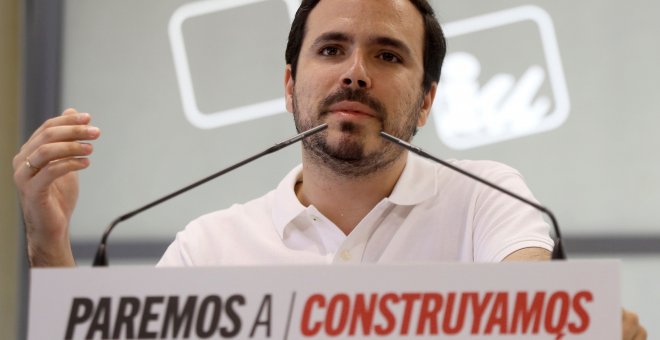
101 258
557 252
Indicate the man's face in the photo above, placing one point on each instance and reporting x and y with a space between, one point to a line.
360 70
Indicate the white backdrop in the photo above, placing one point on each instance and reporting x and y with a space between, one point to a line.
565 93
590 154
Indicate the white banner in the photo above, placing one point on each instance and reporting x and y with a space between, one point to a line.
548 300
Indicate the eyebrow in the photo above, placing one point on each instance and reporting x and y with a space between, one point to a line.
378 40
331 36
391 42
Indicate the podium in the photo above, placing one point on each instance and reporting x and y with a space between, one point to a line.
577 299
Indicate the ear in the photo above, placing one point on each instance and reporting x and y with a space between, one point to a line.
429 96
288 88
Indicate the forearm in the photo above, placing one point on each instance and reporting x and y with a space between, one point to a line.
529 254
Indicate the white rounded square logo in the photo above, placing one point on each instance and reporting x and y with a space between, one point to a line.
483 100
199 107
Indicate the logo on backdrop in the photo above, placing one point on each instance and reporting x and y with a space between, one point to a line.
502 78
191 103
480 101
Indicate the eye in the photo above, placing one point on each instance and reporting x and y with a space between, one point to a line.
329 51
390 57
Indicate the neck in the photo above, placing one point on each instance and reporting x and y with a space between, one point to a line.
346 200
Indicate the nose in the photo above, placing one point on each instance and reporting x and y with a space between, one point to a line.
356 74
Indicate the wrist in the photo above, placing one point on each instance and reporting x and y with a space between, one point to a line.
53 251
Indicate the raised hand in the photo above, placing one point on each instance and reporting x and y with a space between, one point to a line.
45 173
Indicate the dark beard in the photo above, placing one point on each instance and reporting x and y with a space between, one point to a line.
348 158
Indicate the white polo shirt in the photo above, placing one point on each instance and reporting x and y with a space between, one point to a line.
433 215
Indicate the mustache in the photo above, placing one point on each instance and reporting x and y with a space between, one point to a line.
354 95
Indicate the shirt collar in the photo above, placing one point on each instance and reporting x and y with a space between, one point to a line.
417 183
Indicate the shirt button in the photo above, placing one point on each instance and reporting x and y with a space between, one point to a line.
345 255
315 218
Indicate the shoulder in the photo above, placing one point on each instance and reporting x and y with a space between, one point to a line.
477 167
485 168
254 208
457 173
207 239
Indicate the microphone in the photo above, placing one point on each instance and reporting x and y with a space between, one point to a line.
101 258
557 252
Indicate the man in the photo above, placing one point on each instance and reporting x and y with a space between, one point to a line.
361 67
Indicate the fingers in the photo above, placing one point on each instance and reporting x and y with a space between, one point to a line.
56 139
631 328
54 170
54 151
68 127
68 117
641 335
60 142
51 155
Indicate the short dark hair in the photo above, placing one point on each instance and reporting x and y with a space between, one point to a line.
435 46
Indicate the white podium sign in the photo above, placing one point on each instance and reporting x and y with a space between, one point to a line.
548 300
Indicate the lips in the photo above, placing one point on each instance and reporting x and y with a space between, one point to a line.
352 108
